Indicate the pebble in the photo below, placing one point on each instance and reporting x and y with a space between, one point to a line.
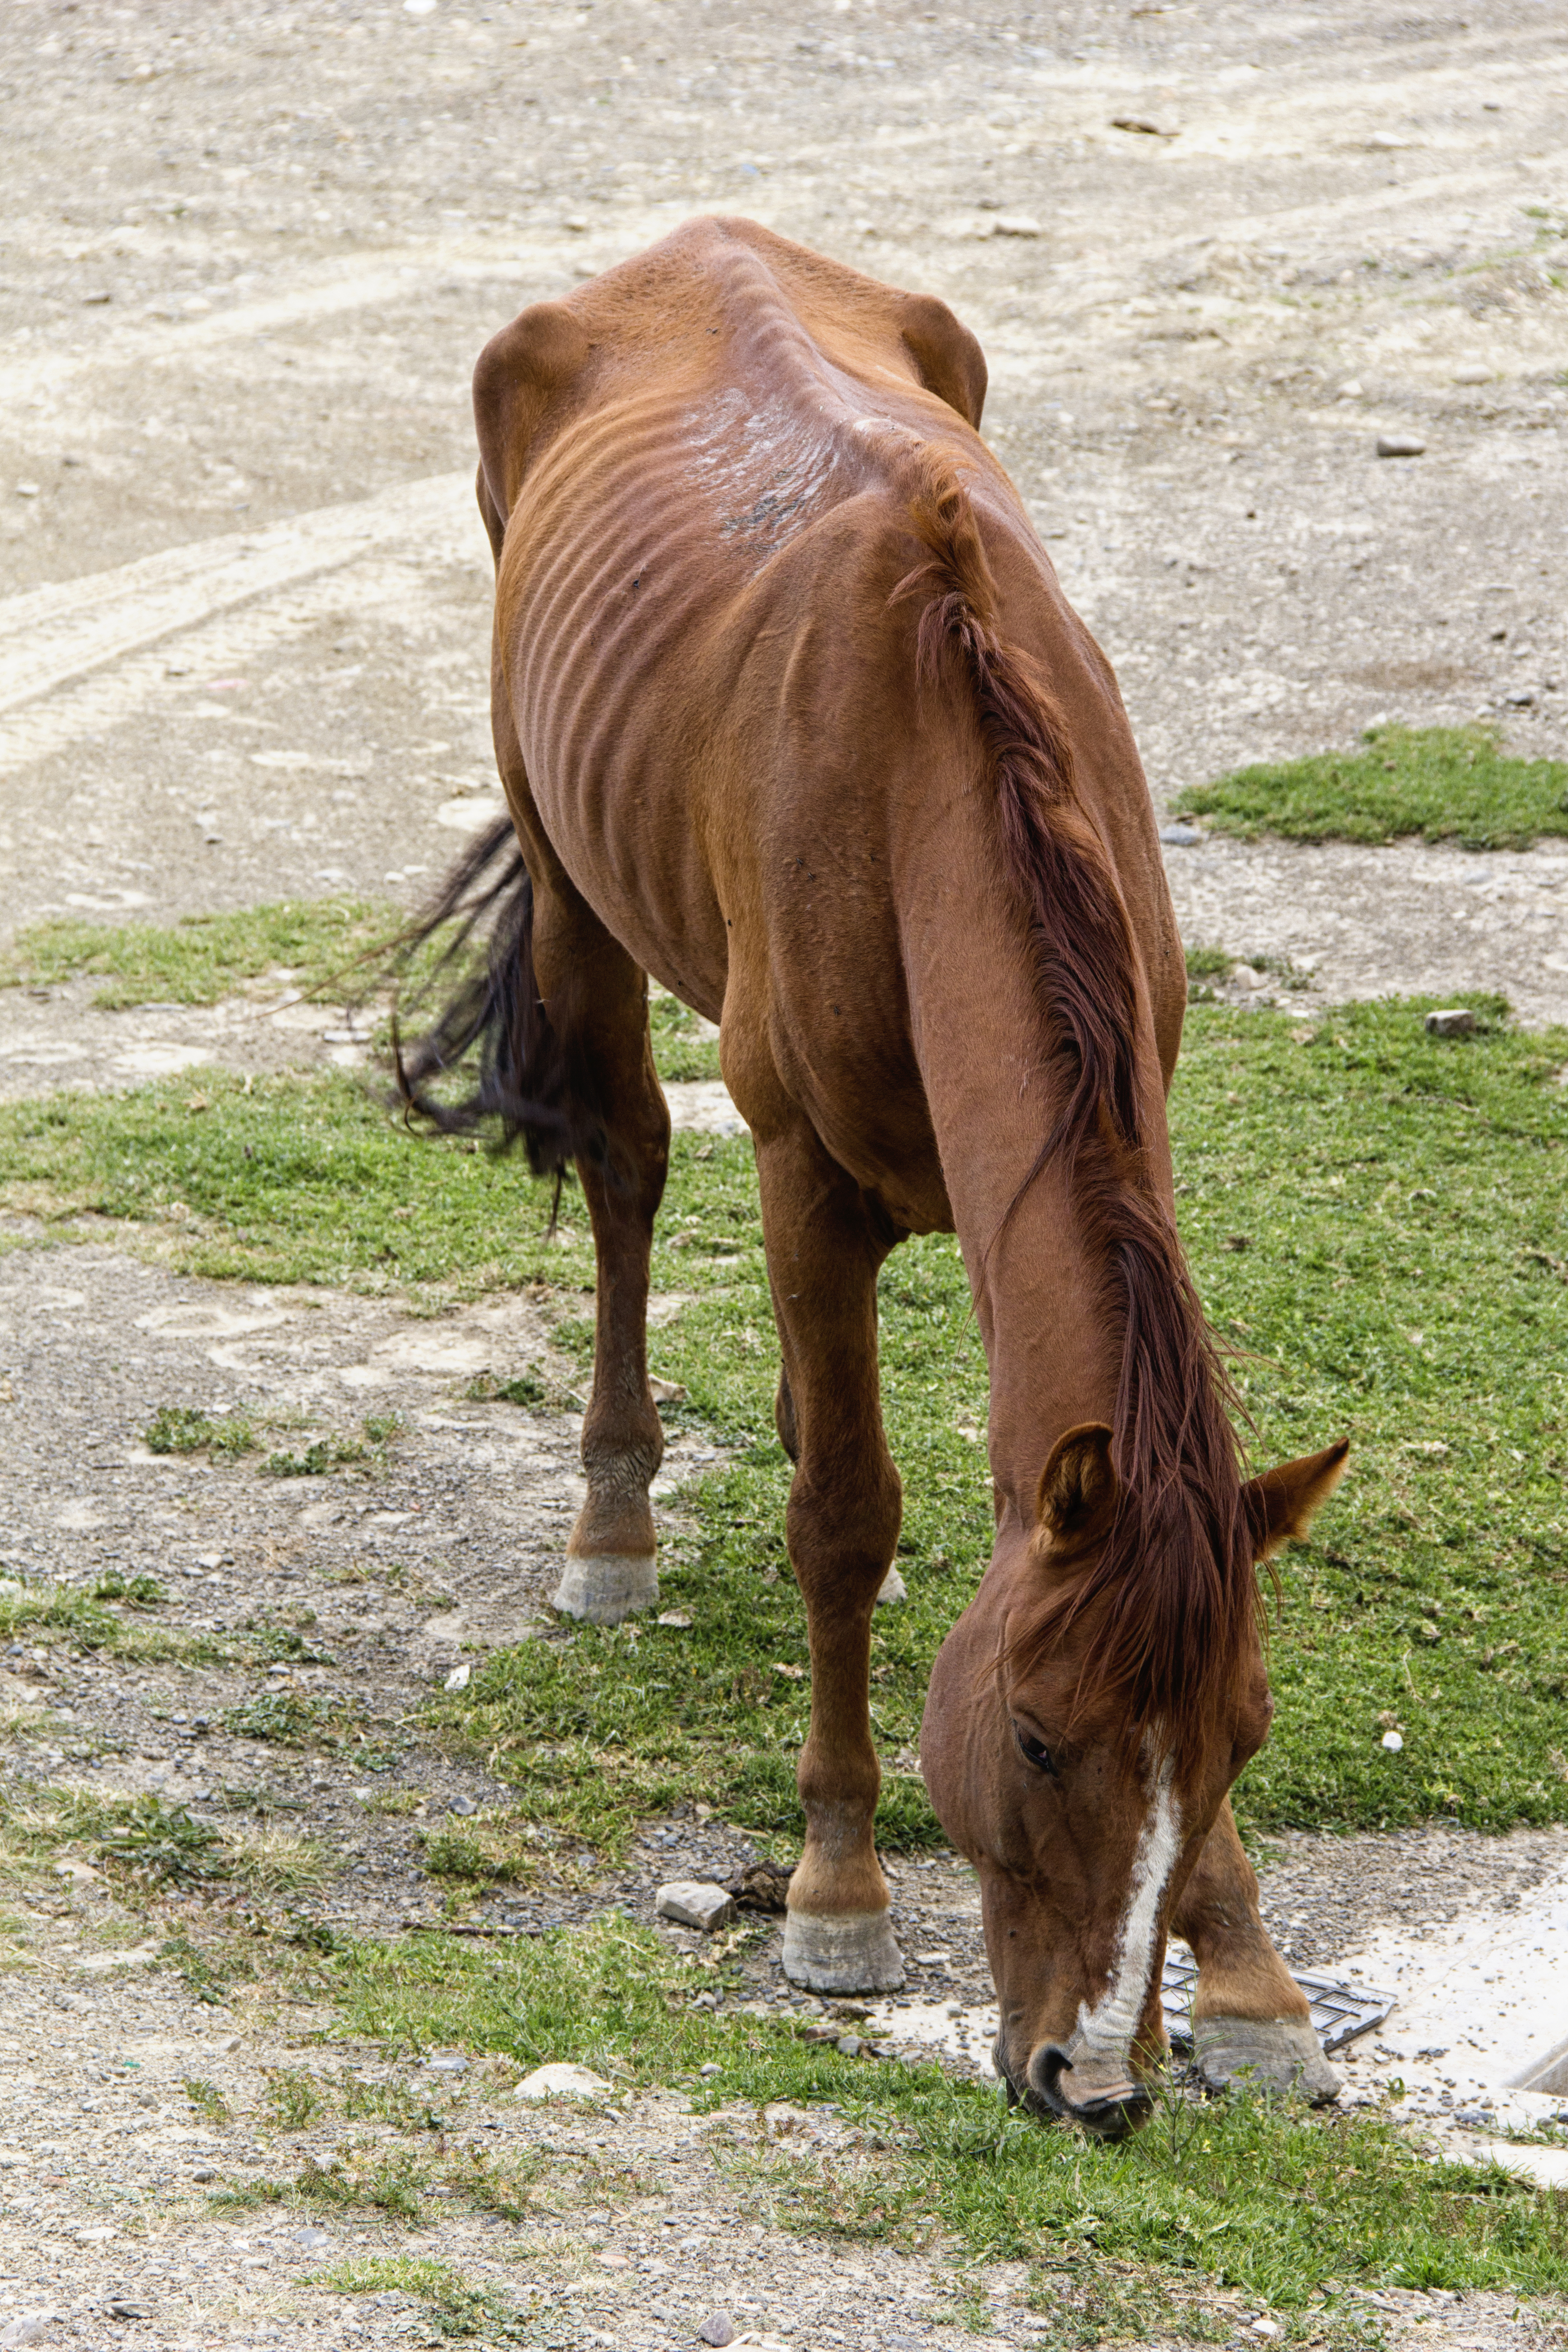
99 294
1400 445
561 2080
695 1903
892 1588
1180 836
679 1618
1394 1741
28 2327
459 1678
1473 372
1012 225
449 2062
1456 1021
717 2328
462 1806
26 489
1247 975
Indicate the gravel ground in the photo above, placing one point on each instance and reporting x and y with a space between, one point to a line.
249 254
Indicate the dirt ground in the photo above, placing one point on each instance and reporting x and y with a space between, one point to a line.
249 255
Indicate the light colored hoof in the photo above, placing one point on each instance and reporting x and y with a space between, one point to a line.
1280 2054
854 1952
608 1587
892 1588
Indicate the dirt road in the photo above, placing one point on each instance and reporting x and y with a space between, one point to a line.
249 254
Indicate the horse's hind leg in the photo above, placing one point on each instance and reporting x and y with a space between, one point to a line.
1250 2019
597 1002
825 1246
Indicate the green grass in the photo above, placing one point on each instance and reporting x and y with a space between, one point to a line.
302 942
1254 2194
1376 1220
1445 784
184 1429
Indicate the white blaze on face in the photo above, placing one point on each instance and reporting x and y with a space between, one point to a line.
1105 2031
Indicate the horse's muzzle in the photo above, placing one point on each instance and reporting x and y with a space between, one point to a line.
1109 2110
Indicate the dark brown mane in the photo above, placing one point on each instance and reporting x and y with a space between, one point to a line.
1177 1574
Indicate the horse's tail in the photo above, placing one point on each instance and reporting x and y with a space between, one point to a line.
1177 1574
476 999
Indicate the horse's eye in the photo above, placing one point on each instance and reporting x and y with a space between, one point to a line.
1034 1751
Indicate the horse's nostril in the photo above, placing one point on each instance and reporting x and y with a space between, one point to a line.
1046 2068
1114 2118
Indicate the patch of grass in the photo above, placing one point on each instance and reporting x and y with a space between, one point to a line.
288 1718
679 1049
206 2098
322 1454
300 942
1208 963
381 2183
453 2307
144 1590
279 1861
139 1841
293 2099
183 1429
1253 2193
1445 784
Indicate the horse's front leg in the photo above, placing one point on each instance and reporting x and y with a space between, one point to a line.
1250 2019
825 1246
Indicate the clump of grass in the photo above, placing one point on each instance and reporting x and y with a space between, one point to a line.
279 1861
206 2098
144 1591
293 2098
184 1429
453 2307
288 1718
508 1853
325 1454
141 1841
1208 964
680 1047
390 2184
205 957
1445 784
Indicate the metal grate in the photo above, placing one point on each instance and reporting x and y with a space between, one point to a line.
1340 2011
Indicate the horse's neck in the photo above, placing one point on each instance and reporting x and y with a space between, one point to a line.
1045 1298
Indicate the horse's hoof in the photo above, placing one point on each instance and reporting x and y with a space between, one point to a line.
606 1587
855 1951
1278 2054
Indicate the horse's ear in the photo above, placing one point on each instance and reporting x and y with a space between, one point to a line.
1284 1502
1077 1484
950 363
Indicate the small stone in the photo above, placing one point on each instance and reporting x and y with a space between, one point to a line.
459 1678
28 2327
695 1903
313 2241
462 1806
717 2328
99 294
123 2308
892 1588
1455 1020
448 2061
1473 372
26 489
1394 1741
679 1618
848 2045
1350 390
1522 697
1180 836
561 2080
1268 2328
1247 975
204 2172
1015 225
1400 445
712 2067
666 1391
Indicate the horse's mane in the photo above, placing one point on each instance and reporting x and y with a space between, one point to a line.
1175 1583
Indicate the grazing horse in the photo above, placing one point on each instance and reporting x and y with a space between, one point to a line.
792 713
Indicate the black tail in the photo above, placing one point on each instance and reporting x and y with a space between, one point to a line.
479 997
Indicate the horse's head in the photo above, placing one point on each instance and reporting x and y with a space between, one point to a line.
1082 1811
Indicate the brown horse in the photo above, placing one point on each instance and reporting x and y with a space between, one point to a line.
792 713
